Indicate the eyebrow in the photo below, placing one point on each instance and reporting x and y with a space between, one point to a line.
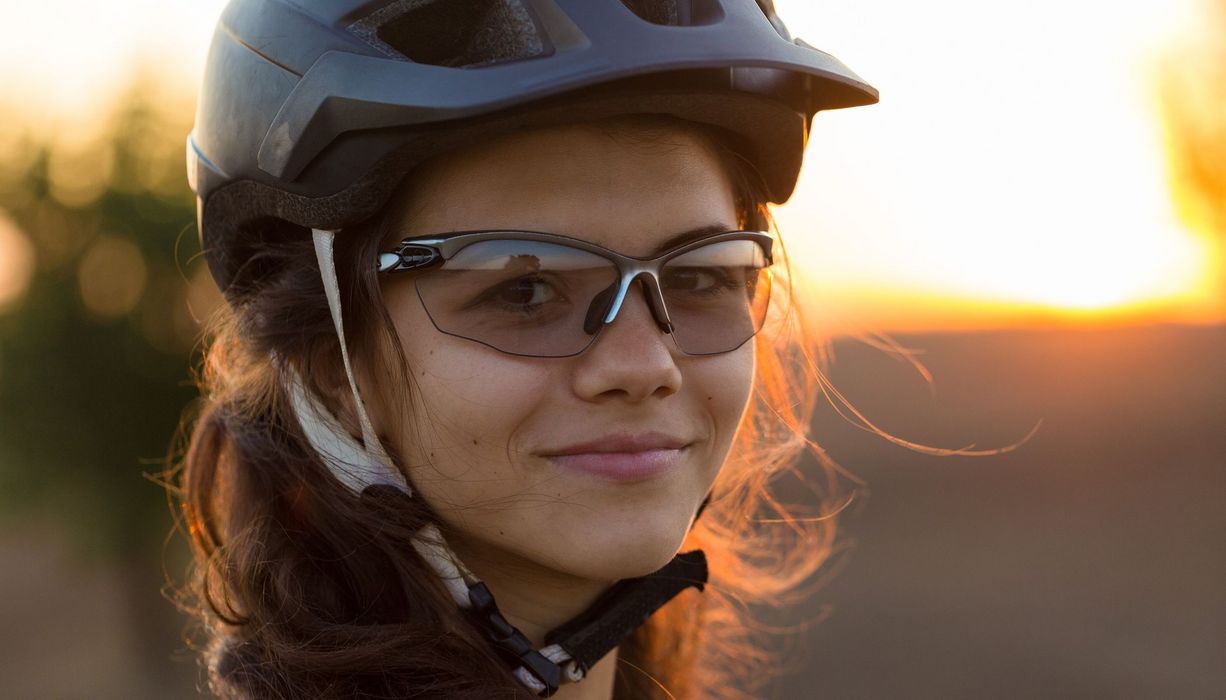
687 236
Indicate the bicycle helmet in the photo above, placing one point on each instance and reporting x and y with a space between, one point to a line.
311 111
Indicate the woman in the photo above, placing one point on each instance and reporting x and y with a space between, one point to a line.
493 272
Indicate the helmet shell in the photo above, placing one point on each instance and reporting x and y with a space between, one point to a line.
311 111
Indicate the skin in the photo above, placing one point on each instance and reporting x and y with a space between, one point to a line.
549 539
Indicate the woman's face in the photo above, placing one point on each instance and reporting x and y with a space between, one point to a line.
482 424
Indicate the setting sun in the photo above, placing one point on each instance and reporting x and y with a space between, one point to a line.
1015 164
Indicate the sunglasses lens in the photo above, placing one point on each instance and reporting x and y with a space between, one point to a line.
548 300
716 295
522 297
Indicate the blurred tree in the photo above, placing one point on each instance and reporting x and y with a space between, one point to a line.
94 358
95 349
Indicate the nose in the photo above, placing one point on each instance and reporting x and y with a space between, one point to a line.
631 359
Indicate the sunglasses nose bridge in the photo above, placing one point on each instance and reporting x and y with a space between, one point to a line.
651 291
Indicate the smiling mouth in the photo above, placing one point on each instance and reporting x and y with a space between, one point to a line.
623 467
623 457
623 443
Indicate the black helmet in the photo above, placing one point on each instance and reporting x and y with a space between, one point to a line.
311 111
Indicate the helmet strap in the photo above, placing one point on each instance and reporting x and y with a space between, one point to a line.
347 460
572 649
377 456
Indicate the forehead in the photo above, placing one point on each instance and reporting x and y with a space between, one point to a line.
628 192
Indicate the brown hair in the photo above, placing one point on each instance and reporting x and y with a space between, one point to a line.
304 589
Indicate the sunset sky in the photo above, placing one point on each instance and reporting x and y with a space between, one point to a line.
1014 172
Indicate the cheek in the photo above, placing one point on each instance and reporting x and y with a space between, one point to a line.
465 406
726 384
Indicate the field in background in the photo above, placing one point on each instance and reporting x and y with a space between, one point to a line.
1088 563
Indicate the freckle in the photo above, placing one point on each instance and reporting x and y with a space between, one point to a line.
710 397
474 442
501 532
431 454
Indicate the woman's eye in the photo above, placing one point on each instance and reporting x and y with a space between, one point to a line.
695 279
523 292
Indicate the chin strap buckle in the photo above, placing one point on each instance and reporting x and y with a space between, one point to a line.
510 641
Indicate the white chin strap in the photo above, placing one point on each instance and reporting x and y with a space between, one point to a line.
360 465
355 465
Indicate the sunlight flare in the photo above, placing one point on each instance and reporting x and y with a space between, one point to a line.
1014 161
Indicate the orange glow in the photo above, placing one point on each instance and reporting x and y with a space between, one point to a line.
1014 173
837 309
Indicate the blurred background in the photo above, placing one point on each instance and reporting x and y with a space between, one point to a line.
1029 230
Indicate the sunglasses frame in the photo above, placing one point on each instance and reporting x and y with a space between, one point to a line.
422 253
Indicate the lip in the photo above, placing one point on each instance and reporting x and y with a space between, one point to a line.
623 457
622 442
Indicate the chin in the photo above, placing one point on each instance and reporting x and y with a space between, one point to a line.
619 547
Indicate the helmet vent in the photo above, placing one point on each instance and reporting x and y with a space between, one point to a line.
454 33
677 13
655 11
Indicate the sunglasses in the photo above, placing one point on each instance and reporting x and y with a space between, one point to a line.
547 295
